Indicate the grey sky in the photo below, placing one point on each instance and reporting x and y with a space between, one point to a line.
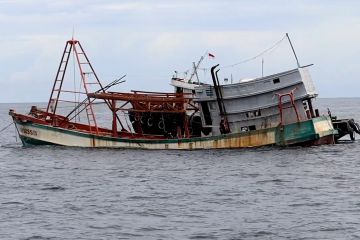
148 40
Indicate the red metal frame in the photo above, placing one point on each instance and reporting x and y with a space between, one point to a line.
75 47
149 102
292 102
145 102
141 102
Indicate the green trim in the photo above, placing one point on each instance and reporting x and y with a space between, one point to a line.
330 132
27 141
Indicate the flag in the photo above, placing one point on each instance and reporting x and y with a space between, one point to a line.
211 55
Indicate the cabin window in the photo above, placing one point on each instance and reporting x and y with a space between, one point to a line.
179 90
193 91
248 128
209 92
252 128
276 80
244 129
252 114
206 113
305 105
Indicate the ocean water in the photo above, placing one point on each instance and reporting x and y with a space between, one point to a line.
262 193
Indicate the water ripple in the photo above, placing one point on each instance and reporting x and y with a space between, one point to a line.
262 193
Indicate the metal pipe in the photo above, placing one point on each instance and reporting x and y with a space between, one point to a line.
220 94
215 82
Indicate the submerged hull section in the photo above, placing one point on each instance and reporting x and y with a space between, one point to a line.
315 131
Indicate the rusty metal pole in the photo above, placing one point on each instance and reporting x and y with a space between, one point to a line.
297 60
291 94
281 109
114 121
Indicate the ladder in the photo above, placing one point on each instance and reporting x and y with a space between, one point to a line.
59 79
86 70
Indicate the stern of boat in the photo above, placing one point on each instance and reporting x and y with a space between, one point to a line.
315 131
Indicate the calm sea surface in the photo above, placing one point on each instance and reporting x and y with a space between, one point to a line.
262 193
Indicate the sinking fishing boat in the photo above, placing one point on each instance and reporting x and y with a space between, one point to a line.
272 110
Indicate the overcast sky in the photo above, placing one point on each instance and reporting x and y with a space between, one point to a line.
149 40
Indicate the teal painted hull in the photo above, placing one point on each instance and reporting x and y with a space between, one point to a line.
315 131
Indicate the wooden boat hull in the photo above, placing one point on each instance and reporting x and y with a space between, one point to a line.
310 132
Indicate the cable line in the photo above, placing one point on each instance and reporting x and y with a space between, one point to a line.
257 56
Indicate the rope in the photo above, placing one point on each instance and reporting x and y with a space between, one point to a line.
257 56
6 127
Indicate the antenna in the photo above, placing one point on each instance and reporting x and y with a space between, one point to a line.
73 33
297 61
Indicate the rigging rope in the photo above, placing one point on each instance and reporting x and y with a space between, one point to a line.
257 56
3 129
273 47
